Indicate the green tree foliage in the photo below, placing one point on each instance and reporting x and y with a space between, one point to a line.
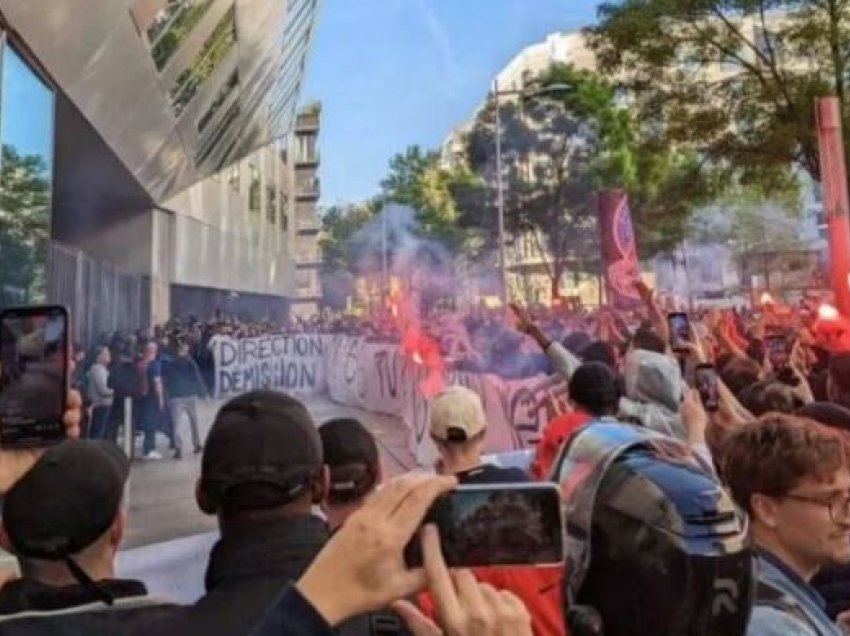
547 183
416 179
665 184
734 80
341 241
24 227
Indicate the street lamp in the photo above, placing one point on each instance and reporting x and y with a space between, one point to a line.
500 190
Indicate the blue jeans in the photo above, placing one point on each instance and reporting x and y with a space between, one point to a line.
152 420
99 421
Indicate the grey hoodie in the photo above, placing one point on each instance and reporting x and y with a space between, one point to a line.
653 392
653 387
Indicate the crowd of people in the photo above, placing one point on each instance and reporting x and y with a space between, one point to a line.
688 509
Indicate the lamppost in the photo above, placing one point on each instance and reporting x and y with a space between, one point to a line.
500 189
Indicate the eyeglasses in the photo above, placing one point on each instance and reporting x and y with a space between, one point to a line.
839 507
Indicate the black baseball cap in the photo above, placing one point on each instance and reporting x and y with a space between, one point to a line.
259 438
67 500
351 454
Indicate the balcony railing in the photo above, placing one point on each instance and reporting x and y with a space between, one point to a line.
307 123
307 188
307 158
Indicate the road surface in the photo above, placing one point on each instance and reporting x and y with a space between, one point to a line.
162 493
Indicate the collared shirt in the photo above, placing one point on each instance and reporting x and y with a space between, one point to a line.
798 581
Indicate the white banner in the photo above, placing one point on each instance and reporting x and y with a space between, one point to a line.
378 378
294 364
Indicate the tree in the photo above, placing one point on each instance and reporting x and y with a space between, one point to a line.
734 80
416 179
341 226
665 185
546 184
24 227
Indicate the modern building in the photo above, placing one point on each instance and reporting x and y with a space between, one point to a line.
144 144
304 184
707 265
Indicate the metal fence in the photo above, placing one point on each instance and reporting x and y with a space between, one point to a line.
101 297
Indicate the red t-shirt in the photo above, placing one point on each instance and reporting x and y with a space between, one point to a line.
538 588
554 434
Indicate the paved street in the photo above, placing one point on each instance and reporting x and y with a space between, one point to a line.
162 503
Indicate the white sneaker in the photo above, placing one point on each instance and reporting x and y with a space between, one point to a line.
151 455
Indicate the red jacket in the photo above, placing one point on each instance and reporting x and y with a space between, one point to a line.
538 588
554 435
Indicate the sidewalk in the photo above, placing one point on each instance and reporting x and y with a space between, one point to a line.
162 493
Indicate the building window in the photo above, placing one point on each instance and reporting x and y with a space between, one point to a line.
215 49
26 121
171 26
254 192
284 222
271 205
234 179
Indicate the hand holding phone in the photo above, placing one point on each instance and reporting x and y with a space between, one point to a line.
34 363
504 524
705 376
777 352
680 329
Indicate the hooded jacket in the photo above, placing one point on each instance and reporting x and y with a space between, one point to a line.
653 384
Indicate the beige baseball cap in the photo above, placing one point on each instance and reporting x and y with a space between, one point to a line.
457 414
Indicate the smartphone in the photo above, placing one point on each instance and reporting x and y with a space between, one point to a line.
777 352
500 524
33 375
680 329
705 376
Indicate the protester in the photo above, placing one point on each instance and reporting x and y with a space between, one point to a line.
792 477
262 471
152 400
458 428
351 454
655 545
100 394
354 468
124 381
594 394
64 523
184 385
362 569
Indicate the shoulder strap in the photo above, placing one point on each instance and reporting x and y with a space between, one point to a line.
769 596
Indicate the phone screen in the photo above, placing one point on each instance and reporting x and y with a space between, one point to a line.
680 330
33 375
706 381
505 524
777 351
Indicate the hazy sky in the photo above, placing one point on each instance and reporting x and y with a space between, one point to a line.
392 73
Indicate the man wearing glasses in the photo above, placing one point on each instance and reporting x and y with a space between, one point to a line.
792 476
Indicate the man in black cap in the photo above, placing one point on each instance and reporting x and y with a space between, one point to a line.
262 471
64 523
351 454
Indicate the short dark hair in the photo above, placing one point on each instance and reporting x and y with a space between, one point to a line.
646 338
768 396
740 373
594 388
771 455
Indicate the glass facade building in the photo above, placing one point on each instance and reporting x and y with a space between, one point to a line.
127 130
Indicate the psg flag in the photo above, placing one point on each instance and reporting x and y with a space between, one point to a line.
619 250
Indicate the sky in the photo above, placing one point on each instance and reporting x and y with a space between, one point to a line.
394 73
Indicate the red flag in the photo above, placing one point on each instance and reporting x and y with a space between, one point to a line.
619 250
